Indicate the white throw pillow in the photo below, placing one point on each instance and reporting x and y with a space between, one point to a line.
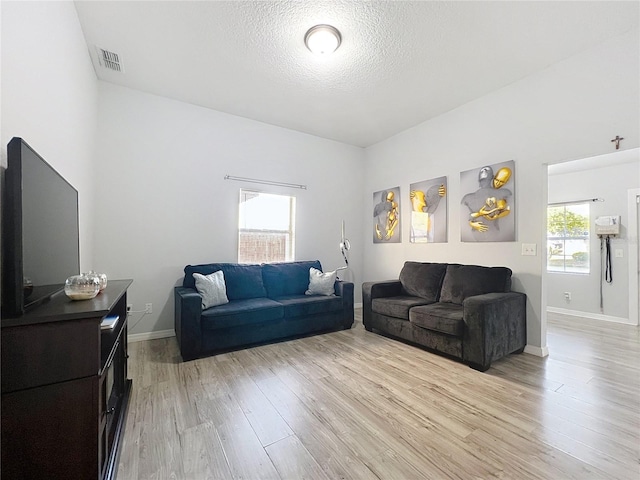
321 283
212 288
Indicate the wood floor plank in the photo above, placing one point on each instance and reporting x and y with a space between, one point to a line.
616 467
332 454
339 420
203 455
357 405
264 419
160 453
535 458
420 443
242 448
293 461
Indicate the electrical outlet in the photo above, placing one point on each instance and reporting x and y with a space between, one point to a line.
529 249
567 296
148 308
129 307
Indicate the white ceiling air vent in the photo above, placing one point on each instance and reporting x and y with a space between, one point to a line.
109 60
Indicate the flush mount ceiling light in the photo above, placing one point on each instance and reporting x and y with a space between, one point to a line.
322 39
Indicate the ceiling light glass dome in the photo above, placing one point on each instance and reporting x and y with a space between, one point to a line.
322 39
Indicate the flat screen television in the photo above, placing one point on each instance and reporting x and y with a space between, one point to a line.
40 230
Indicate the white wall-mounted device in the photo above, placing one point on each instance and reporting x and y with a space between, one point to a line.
609 225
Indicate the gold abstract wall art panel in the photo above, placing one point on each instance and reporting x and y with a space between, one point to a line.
428 200
487 207
386 216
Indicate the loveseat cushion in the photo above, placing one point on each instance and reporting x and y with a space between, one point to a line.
305 305
241 312
462 281
440 317
397 307
287 278
422 279
242 281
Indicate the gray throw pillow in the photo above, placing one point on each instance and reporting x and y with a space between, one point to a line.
212 289
321 283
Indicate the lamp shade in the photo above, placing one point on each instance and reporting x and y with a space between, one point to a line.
322 39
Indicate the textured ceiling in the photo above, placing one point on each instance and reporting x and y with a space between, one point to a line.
400 63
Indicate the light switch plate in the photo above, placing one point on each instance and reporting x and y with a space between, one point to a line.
529 249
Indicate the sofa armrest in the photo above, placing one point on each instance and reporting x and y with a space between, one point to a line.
371 290
345 290
495 327
188 308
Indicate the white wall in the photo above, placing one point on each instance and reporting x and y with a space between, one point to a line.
570 110
49 96
610 182
162 201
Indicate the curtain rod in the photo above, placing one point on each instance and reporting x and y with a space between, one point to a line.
265 182
576 201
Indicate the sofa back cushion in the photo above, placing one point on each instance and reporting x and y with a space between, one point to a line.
462 281
422 280
287 278
241 281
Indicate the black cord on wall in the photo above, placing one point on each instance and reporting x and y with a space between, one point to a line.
608 272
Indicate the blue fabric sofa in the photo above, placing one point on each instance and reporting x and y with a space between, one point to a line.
465 311
266 302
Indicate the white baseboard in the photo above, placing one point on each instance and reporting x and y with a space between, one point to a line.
537 351
140 337
593 316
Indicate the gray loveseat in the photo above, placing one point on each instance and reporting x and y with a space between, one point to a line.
465 311
266 302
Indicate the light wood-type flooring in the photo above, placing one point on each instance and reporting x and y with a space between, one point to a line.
357 405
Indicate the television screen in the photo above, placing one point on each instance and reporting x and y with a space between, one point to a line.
40 234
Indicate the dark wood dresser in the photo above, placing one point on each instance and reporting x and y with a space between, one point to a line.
65 389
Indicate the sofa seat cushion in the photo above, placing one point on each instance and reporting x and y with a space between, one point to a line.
440 317
397 307
463 281
241 312
305 305
287 278
422 279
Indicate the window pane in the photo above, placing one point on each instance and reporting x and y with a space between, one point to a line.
265 227
262 247
555 254
263 211
577 220
568 238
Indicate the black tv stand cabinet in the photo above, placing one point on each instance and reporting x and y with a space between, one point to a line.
65 389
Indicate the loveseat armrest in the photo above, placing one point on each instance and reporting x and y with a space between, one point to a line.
371 290
345 291
495 326
188 310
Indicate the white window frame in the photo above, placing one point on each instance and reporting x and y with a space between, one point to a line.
263 228
557 244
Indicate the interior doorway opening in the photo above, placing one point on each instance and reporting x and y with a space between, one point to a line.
613 179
